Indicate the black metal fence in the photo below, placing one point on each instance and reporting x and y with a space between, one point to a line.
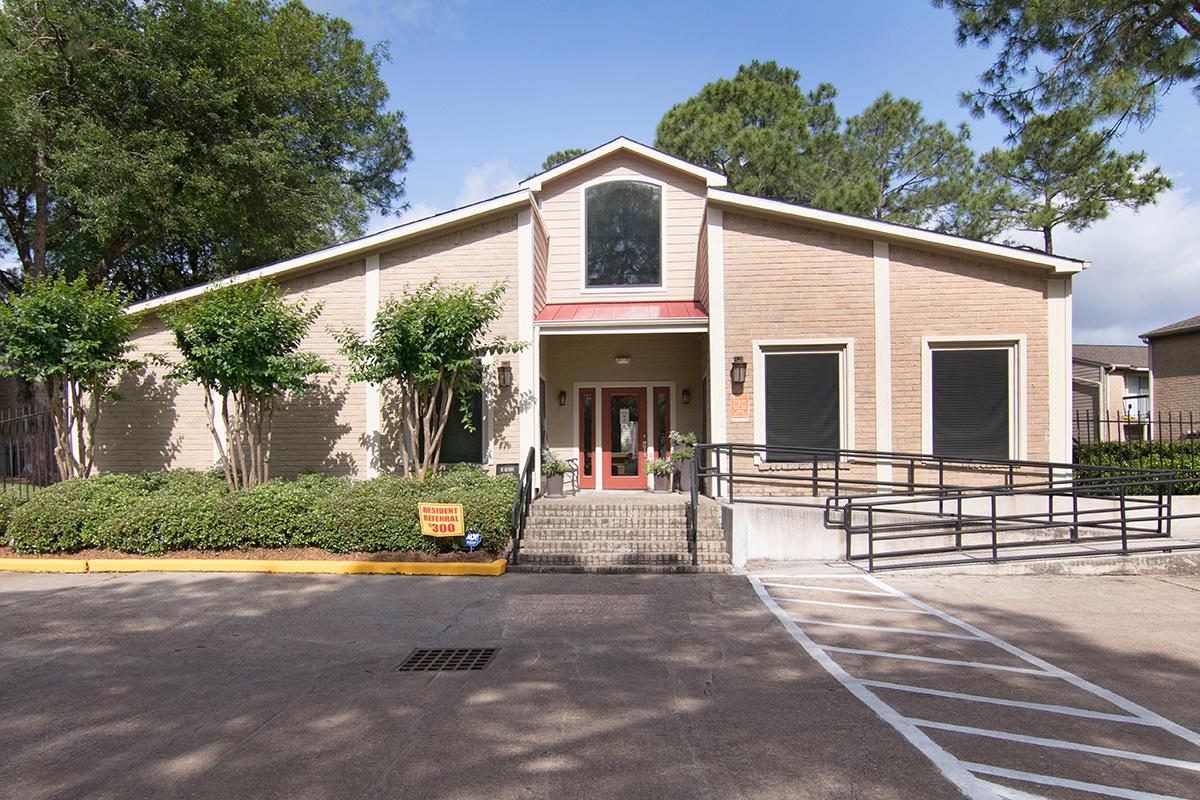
1171 426
27 450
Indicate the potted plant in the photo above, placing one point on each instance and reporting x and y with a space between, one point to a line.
662 469
553 469
683 451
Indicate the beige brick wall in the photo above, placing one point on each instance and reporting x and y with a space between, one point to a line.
324 429
790 283
155 424
562 207
938 295
1175 361
483 254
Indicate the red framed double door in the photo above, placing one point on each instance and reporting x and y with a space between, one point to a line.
617 430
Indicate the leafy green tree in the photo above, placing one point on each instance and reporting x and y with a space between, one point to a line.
74 340
901 168
759 129
1116 57
560 157
173 140
427 345
242 344
1061 171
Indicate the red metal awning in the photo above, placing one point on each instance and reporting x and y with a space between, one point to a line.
641 311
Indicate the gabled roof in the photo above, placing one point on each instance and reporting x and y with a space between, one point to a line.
1135 356
1183 326
354 247
712 179
887 230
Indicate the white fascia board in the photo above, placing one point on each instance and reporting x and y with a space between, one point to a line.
901 233
348 249
712 179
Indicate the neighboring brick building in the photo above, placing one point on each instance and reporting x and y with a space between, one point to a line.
642 287
1110 394
1175 365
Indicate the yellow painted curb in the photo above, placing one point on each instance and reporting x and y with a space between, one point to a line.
496 567
43 564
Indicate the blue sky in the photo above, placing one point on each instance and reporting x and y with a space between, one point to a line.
489 88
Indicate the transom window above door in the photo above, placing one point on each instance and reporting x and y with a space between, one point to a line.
623 234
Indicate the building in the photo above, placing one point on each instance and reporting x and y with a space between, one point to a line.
1110 392
1175 364
651 299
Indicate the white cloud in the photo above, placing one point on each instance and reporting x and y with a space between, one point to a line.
1145 269
487 180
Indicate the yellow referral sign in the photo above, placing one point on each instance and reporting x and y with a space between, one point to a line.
441 519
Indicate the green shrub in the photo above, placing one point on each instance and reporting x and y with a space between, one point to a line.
1182 456
74 514
275 514
9 501
159 512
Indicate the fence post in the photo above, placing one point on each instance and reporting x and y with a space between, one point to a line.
995 547
814 475
958 525
870 539
1124 528
1074 512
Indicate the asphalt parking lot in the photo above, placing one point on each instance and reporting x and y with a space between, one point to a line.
603 686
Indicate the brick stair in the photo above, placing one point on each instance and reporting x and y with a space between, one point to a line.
608 536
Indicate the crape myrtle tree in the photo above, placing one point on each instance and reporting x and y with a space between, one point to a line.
428 345
242 344
74 341
161 143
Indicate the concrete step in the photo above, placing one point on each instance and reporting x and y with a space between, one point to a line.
627 569
565 547
589 533
619 558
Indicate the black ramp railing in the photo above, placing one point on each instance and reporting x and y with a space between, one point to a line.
916 504
521 502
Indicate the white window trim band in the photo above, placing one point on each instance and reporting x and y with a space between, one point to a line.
1018 444
843 347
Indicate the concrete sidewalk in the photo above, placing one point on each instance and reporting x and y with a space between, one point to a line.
232 686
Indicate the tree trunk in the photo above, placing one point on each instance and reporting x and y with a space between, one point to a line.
41 206
1048 237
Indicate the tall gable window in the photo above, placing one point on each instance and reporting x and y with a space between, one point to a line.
623 234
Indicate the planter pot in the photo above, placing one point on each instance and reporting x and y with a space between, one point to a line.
554 486
662 484
685 475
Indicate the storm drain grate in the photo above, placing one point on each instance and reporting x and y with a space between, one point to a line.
448 660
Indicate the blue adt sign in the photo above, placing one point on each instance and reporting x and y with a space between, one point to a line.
473 538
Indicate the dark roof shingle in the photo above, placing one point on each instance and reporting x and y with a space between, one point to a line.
1127 355
1183 326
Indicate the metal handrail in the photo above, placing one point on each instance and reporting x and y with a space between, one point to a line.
521 502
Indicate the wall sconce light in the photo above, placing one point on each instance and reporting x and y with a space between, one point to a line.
687 396
623 360
504 375
562 398
737 374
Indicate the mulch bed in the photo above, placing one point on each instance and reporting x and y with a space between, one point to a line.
274 554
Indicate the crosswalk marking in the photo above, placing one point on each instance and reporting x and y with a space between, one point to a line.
966 775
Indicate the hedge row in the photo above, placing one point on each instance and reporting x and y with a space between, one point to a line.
1183 456
158 512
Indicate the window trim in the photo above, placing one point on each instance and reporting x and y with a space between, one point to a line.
842 347
658 288
1015 344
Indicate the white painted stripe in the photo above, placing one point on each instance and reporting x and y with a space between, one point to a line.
950 767
1067 783
954 662
1009 793
816 576
885 629
853 605
1058 744
977 698
1112 697
826 589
